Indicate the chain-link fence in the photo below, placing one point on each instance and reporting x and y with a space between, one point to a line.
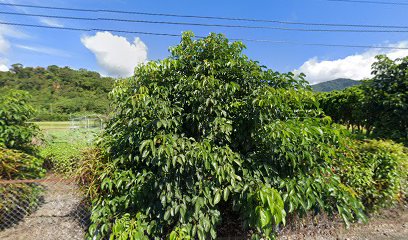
49 208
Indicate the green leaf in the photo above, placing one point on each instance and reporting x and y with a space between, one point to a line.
167 214
264 217
173 235
226 194
217 197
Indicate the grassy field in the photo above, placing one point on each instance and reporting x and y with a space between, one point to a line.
63 131
63 145
54 125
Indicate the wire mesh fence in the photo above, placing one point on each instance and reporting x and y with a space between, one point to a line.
49 208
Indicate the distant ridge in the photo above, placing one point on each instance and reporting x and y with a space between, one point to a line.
336 84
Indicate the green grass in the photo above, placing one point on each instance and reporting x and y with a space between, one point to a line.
62 131
54 125
64 145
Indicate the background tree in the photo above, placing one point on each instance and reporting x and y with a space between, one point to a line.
388 92
379 105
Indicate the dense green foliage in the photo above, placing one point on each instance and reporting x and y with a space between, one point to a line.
377 171
59 92
207 130
18 165
379 105
336 84
15 132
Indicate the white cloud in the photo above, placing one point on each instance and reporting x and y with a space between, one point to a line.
115 54
3 65
45 50
3 68
357 66
51 22
4 45
12 32
8 32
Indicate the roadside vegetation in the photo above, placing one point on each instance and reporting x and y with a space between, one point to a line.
18 156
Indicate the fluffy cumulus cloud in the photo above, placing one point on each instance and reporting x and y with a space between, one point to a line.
115 54
356 66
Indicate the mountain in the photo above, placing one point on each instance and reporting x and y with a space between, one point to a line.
59 92
336 84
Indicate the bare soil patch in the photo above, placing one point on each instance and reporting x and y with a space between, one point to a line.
390 224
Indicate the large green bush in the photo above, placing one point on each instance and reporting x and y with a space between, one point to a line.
206 130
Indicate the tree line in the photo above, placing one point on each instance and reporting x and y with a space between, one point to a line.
379 106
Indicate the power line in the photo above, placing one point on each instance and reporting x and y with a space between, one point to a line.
208 25
371 2
205 17
179 35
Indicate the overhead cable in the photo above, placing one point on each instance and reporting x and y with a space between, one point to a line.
205 17
179 35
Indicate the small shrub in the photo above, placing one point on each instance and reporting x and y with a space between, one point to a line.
91 166
17 165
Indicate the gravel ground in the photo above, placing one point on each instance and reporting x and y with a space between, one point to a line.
391 224
56 218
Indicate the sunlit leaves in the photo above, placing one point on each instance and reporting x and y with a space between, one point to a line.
207 129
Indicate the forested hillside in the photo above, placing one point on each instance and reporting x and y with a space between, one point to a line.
58 92
336 84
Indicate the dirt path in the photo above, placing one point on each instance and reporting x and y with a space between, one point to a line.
386 225
55 218
58 218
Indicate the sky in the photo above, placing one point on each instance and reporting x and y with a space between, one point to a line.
116 54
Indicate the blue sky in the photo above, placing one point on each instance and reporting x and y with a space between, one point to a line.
43 47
